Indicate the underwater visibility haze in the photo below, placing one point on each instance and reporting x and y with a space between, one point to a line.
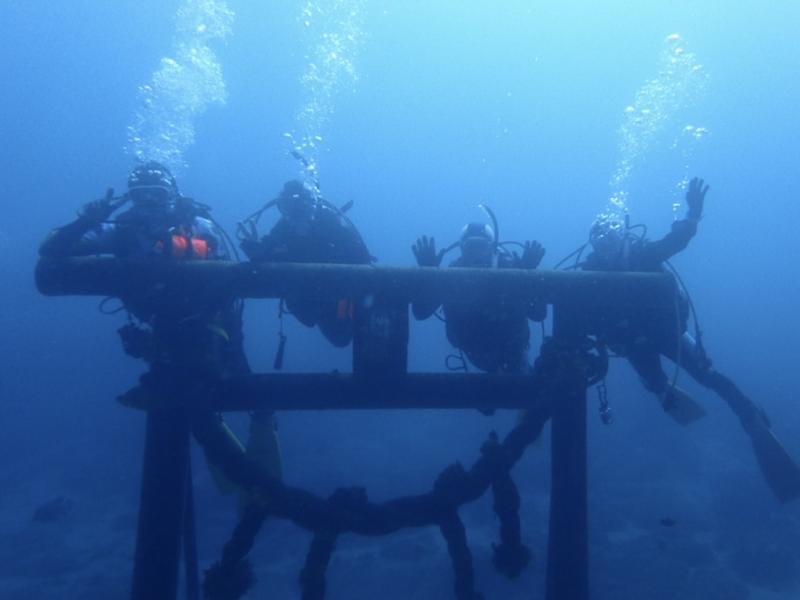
550 113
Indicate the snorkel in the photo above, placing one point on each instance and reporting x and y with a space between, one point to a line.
625 251
485 208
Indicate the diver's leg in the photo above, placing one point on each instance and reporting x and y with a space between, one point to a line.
647 364
214 422
264 449
263 445
646 361
226 452
305 311
779 469
695 362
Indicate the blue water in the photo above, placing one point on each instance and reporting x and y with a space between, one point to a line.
430 109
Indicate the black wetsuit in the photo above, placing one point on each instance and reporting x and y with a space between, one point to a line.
494 335
189 340
196 330
643 337
329 238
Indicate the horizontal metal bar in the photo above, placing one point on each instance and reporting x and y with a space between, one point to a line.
103 276
338 391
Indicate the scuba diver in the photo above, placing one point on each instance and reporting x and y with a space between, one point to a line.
643 338
310 230
494 335
197 337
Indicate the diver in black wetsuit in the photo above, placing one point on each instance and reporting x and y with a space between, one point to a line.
310 230
494 335
160 224
194 336
643 339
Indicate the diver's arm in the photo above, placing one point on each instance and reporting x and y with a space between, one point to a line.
271 247
72 239
425 253
654 253
424 308
682 231
82 237
67 241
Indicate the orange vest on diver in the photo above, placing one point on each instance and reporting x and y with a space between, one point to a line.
182 246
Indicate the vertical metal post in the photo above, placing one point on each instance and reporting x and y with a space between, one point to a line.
163 497
568 552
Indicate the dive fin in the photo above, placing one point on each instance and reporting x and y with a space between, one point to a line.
779 469
262 445
263 449
224 485
679 405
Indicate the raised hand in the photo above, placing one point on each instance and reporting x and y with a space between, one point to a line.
98 211
532 254
695 198
425 252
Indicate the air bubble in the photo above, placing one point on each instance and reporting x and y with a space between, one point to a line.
185 84
679 82
336 34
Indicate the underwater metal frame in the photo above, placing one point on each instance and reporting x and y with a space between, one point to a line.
162 510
